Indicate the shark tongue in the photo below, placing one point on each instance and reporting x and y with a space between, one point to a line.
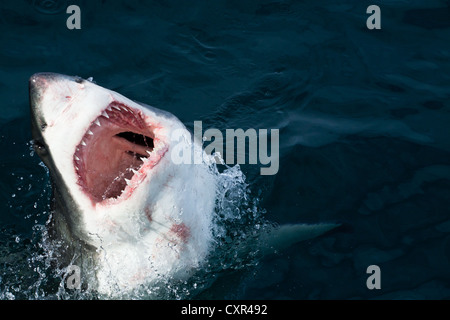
113 149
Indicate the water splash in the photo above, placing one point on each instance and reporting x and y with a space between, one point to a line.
237 220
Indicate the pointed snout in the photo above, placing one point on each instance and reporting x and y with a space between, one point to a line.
37 84
41 78
40 81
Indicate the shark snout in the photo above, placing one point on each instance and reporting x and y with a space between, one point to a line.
43 84
40 81
38 84
56 87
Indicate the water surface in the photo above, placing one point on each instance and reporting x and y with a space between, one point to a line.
363 118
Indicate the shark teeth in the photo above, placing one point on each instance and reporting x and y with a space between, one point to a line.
103 182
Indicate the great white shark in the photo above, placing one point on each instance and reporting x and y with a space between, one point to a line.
125 213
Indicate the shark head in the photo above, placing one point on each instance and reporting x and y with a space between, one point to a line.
118 196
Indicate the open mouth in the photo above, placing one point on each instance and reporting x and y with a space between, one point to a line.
116 153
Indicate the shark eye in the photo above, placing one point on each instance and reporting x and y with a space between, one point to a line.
39 147
78 80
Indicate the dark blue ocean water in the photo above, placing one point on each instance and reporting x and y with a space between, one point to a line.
364 120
